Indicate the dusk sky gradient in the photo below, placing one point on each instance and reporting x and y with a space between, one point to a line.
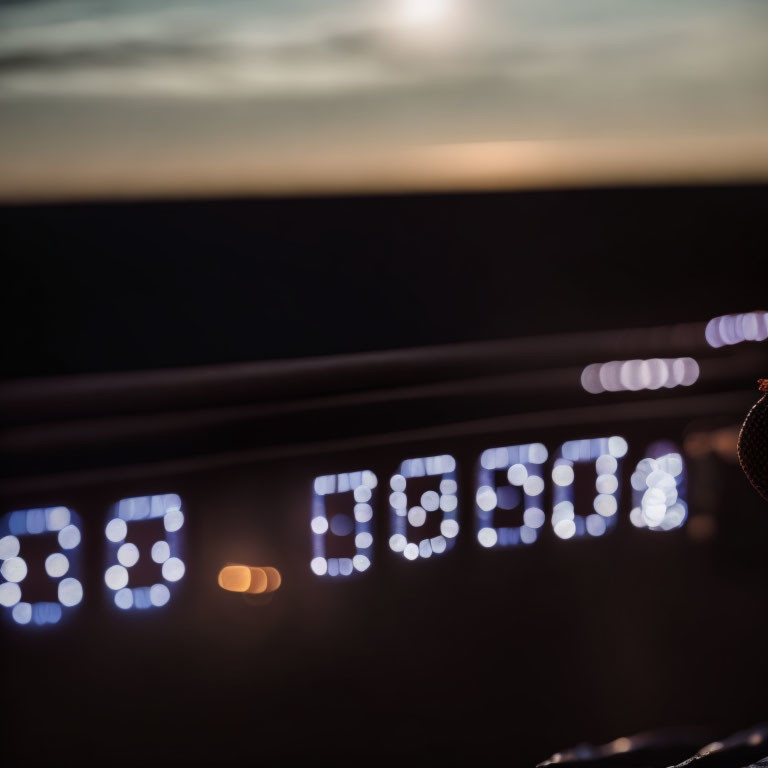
129 97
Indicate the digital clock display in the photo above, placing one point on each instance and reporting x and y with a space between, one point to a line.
379 479
531 483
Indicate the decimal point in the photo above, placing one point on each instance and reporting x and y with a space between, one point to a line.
249 579
235 578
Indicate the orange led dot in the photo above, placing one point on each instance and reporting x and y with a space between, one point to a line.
259 581
274 579
246 578
235 578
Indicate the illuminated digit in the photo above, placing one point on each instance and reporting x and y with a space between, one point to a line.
62 565
524 486
404 518
165 552
658 489
606 454
360 485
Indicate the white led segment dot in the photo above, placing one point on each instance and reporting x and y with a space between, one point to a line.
124 599
362 493
563 475
173 569
9 547
14 569
57 518
417 517
430 501
595 525
319 525
397 500
116 529
563 510
22 613
485 498
128 555
617 447
116 577
447 487
10 594
159 595
606 464
517 474
487 537
533 485
160 551
173 520
70 592
605 504
606 483
69 537
319 566
56 565
397 483
439 544
533 517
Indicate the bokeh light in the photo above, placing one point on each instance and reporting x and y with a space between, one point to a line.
634 375
727 330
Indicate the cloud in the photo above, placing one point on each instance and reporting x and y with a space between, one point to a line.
517 69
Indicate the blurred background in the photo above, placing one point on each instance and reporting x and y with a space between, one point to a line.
128 98
257 257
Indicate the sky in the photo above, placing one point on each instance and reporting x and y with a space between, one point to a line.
135 97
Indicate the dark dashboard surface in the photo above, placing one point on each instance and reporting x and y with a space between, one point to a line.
446 324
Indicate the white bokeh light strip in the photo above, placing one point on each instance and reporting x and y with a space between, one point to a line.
658 489
406 520
123 555
634 375
605 455
360 486
734 329
523 469
62 565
